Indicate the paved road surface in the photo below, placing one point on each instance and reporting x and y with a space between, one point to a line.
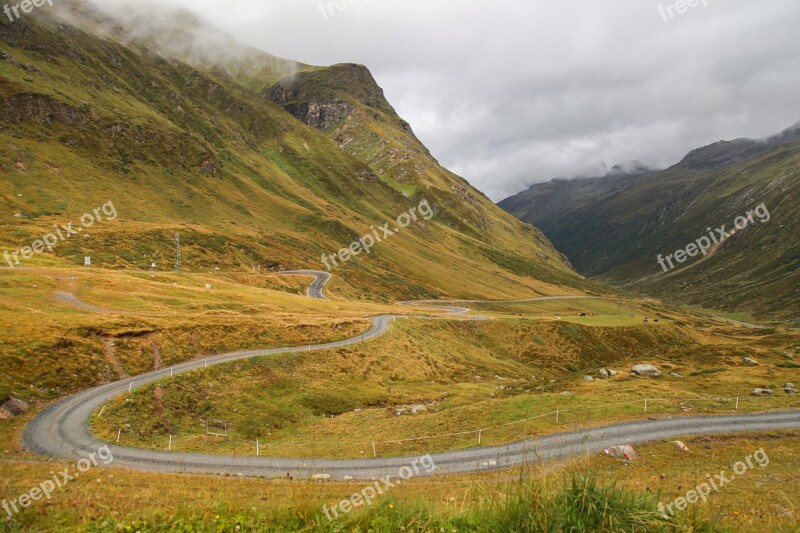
61 430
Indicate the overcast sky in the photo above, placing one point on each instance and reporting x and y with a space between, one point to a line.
512 92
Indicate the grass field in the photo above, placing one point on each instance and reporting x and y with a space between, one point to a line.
119 500
492 373
487 375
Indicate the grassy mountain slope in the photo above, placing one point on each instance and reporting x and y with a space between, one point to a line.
615 227
177 148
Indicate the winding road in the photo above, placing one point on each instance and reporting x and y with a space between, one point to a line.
62 430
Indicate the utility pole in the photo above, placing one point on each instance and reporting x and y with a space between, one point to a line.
178 266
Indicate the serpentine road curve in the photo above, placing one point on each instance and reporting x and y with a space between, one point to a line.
61 430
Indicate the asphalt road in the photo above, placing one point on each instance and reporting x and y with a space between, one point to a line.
61 430
320 280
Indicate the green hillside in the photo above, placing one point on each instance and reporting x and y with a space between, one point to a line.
616 227
197 150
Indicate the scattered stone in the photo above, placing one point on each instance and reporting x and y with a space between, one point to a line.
680 446
789 388
356 410
675 375
604 373
750 362
588 378
418 409
565 393
788 356
649 371
761 392
623 451
612 373
400 411
320 477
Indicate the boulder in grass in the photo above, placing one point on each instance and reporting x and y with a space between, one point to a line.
680 446
612 373
750 362
789 388
588 378
648 371
622 451
762 392
603 373
14 407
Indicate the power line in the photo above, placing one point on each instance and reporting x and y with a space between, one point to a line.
178 265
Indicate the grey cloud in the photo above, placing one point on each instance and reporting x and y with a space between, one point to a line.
511 92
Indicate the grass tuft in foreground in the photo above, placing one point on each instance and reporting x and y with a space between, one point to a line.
576 503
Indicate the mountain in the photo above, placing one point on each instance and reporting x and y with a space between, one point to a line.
220 148
616 227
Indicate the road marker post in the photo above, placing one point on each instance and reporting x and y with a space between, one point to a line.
645 405
130 386
374 451
480 433
119 434
258 451
737 403
101 411
556 416
169 446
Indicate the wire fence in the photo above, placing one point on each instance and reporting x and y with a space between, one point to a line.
562 419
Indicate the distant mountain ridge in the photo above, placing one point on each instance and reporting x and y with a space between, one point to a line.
614 227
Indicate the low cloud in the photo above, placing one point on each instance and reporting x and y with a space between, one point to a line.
509 93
